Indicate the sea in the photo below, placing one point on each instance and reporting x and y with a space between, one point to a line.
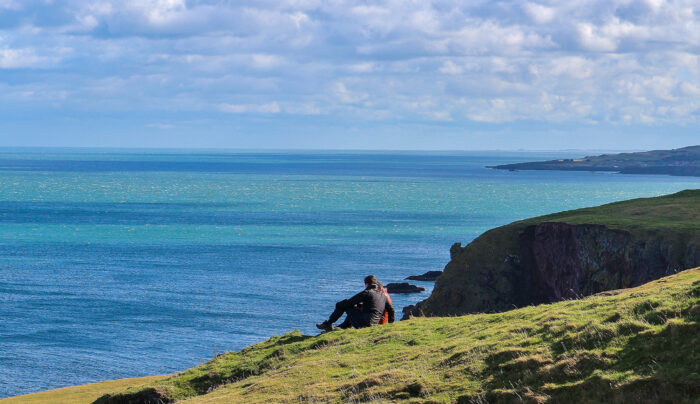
122 263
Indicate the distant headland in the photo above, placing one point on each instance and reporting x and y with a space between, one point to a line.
681 162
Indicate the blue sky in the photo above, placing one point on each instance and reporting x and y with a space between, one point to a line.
608 74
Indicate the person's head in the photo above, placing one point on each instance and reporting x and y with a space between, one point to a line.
370 280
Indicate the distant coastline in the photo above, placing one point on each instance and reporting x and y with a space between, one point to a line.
678 162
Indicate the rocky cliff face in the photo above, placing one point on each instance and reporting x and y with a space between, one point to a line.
522 264
568 261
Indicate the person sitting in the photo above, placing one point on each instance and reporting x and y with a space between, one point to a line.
385 316
365 309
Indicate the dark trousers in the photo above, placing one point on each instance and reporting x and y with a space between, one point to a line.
355 317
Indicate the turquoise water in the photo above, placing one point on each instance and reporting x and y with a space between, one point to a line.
121 263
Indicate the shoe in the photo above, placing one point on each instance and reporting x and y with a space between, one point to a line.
325 326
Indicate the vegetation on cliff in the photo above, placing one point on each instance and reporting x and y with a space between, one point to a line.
636 345
631 345
570 254
684 161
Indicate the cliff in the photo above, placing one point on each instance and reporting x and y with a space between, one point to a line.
628 346
682 162
570 254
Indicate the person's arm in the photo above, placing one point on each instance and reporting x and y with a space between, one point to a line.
357 299
389 309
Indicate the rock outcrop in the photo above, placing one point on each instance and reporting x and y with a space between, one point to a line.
544 260
430 276
403 288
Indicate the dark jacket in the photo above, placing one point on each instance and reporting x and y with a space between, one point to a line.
373 304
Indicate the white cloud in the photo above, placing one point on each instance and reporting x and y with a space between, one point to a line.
303 109
540 14
262 61
365 67
591 38
19 58
269 108
299 18
573 66
582 61
158 11
690 89
449 67
10 5
346 96
445 116
162 126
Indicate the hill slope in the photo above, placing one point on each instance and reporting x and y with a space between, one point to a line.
570 254
637 345
684 162
86 393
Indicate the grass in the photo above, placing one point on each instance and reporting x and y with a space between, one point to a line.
634 345
676 213
79 394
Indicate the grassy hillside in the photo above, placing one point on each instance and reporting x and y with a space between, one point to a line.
635 345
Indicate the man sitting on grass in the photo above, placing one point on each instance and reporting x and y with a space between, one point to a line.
363 310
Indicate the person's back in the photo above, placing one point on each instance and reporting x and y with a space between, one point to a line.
363 310
375 305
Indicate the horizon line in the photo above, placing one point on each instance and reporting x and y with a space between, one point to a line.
272 150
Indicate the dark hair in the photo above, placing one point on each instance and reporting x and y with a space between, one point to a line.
370 279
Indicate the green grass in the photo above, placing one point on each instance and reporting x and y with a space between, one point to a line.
636 345
677 213
86 393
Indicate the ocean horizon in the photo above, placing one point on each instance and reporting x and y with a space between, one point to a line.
130 262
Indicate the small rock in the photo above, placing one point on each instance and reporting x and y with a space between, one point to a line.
408 312
411 311
403 287
430 276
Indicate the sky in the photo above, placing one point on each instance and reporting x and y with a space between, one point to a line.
334 74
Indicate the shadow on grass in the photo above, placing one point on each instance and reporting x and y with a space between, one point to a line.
665 363
143 396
